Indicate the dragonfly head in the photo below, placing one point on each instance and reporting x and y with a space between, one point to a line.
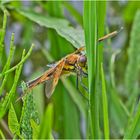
82 61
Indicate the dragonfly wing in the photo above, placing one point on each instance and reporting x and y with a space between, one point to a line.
49 87
51 65
52 82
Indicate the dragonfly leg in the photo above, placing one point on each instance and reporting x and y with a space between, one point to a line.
77 81
77 86
83 85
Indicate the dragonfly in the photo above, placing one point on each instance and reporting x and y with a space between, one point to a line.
74 63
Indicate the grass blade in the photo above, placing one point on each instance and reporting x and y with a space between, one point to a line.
105 105
2 34
90 25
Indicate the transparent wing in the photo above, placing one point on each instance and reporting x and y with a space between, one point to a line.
49 87
51 65
52 82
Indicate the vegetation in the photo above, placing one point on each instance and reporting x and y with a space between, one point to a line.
109 109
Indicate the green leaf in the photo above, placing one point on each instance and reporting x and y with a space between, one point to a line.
46 125
13 121
62 27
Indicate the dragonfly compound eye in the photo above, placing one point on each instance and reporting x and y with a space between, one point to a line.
82 60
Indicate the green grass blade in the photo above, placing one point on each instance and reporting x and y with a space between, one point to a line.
101 14
105 105
10 96
94 12
20 63
8 62
2 34
90 26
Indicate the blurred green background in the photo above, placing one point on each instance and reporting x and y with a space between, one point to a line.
65 114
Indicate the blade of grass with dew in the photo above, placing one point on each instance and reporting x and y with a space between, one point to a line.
90 26
133 67
105 105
